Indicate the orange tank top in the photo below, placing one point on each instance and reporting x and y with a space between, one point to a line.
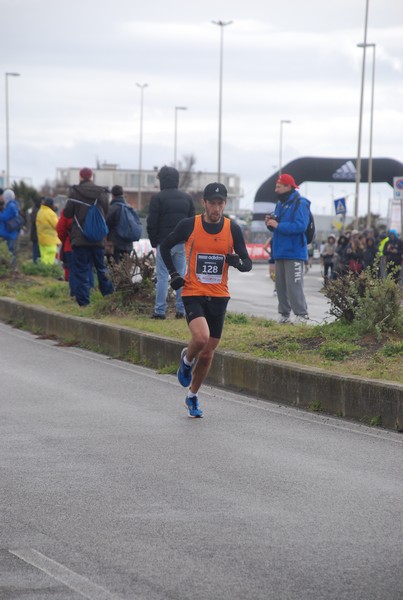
207 271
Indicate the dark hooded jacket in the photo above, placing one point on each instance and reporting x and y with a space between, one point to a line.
393 249
86 191
112 221
168 207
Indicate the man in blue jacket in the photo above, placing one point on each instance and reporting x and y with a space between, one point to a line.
289 248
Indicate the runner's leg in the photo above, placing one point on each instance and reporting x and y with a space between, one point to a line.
203 364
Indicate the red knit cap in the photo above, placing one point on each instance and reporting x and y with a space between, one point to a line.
286 179
85 173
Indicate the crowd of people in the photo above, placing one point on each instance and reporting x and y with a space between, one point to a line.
354 251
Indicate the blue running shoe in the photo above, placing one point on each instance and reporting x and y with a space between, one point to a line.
184 372
192 406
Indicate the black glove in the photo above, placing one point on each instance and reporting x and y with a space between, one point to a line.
177 281
233 260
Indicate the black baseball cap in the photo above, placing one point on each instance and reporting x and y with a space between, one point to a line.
215 190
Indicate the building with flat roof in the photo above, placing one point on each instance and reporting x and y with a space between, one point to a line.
132 181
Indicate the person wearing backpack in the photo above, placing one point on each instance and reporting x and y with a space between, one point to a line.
88 252
8 216
289 224
119 226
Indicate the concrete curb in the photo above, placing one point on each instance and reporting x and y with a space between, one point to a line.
281 382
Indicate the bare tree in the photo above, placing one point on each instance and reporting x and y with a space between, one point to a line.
186 172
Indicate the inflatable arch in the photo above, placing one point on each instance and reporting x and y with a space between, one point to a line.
327 170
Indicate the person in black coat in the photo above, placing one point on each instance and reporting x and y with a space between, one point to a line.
167 208
33 234
340 266
370 252
393 251
120 247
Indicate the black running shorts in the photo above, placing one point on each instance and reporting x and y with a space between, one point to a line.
212 309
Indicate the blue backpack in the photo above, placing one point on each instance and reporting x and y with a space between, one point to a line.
17 222
129 225
311 228
94 228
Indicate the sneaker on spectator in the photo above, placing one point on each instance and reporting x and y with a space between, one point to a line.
284 319
299 319
192 406
184 371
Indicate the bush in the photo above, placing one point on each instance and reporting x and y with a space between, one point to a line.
30 268
335 350
133 279
237 319
393 348
373 304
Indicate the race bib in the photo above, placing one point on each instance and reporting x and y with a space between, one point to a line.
210 267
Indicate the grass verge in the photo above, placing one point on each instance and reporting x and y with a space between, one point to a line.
335 347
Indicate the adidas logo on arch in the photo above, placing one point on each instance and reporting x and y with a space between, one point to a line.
346 171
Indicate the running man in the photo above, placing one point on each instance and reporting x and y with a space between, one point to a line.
212 243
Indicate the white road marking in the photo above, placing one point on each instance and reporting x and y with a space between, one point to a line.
69 578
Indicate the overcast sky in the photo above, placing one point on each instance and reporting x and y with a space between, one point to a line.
76 100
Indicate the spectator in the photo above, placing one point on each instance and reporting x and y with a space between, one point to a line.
328 257
63 228
66 252
370 252
289 248
119 247
272 264
87 255
341 261
167 209
33 234
11 210
354 254
393 251
46 222
309 262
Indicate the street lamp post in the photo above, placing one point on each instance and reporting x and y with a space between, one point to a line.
7 182
358 165
176 130
142 87
280 157
221 24
373 46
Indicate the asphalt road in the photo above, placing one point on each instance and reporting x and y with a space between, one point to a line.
252 293
108 490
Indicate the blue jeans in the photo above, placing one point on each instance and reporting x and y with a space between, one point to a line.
161 291
84 258
68 264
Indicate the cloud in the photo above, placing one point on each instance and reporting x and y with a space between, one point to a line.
77 98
